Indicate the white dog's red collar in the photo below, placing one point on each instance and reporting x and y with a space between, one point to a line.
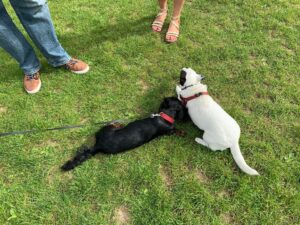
185 100
165 117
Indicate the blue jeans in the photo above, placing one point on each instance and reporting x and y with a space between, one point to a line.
35 18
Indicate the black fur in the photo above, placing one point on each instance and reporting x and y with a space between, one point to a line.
111 139
182 77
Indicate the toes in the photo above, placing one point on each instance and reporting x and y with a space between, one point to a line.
156 29
171 38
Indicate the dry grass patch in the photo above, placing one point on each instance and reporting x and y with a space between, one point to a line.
121 216
201 176
252 61
224 194
165 176
51 143
55 174
227 218
247 111
84 121
3 109
144 86
287 49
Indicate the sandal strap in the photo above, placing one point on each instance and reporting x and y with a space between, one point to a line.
157 24
175 17
175 34
175 24
162 12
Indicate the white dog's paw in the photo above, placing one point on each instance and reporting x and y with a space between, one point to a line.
201 142
178 89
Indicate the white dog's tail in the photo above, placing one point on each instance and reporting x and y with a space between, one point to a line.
239 159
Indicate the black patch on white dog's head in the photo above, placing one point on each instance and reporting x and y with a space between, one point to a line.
182 77
189 77
173 104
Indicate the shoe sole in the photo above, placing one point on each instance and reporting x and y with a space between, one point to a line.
81 71
35 90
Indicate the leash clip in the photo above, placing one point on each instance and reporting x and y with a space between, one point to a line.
154 115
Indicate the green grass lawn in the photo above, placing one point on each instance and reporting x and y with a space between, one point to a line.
248 51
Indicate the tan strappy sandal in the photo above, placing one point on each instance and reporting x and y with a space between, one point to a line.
158 23
173 34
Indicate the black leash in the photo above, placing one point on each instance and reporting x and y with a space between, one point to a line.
61 128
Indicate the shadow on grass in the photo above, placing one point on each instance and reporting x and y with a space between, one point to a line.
111 32
74 43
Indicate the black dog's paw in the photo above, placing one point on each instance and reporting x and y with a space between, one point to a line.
180 133
117 125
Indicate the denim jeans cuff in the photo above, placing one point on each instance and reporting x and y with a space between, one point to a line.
61 62
32 71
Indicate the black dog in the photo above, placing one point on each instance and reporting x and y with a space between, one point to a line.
115 138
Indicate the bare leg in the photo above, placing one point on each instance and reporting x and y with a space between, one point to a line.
178 5
163 4
173 30
160 18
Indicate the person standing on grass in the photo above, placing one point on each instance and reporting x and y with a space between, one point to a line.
173 31
35 18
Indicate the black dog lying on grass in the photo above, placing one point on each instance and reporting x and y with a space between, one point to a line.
115 138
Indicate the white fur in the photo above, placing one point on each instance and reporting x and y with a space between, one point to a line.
221 131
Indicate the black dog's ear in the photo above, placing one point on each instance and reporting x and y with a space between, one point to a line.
165 104
182 77
182 113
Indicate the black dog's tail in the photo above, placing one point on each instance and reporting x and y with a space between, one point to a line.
79 159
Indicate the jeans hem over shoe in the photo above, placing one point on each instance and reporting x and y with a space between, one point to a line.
32 71
61 62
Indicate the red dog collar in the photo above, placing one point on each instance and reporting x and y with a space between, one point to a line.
185 100
166 117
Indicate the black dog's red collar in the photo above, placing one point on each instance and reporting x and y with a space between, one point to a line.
166 117
185 100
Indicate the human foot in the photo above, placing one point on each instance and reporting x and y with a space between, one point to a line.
173 31
32 83
77 66
159 20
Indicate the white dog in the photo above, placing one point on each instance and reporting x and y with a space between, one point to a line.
221 131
